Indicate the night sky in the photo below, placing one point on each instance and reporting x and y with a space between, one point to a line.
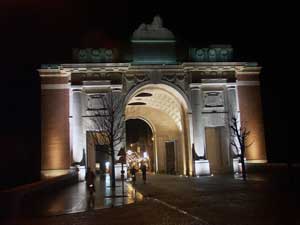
35 32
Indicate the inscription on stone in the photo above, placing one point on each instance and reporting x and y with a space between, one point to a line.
213 99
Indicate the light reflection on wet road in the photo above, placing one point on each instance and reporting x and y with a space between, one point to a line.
74 198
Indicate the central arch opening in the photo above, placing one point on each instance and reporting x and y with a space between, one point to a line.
164 110
139 144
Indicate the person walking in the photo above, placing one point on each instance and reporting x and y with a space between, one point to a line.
133 174
90 184
144 172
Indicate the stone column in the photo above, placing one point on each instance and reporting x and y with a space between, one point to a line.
77 132
232 102
155 152
232 106
191 129
191 141
119 118
198 130
124 144
188 144
201 166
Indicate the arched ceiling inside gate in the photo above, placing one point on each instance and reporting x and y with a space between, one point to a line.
159 99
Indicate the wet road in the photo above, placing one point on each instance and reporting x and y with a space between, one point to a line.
75 198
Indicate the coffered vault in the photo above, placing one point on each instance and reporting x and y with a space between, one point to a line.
166 115
159 99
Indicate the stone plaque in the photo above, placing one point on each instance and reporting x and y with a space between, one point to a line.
213 99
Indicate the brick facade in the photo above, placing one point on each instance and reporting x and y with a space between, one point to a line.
55 129
251 116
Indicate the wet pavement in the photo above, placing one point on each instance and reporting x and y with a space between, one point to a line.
266 198
146 212
75 198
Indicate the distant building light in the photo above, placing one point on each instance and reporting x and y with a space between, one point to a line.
146 155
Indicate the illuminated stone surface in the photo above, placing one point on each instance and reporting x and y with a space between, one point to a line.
187 102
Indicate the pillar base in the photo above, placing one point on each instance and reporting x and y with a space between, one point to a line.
235 164
81 172
202 168
54 173
257 161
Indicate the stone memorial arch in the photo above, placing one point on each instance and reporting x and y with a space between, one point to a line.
186 103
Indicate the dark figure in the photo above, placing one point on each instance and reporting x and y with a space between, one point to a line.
133 174
90 183
144 172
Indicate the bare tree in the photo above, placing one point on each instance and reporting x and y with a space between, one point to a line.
107 120
239 141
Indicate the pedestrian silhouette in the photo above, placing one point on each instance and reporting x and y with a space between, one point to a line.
133 174
144 172
90 184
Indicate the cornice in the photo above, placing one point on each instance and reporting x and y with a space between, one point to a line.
67 69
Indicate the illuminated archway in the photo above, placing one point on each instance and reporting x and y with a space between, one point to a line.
140 143
165 109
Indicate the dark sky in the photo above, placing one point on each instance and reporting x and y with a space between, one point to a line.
137 130
35 32
45 31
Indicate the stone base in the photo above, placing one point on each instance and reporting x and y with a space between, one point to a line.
81 173
118 168
202 168
235 164
54 173
257 161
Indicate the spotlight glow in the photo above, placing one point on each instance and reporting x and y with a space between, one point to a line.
146 155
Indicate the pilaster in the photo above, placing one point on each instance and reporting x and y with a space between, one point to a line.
249 98
55 155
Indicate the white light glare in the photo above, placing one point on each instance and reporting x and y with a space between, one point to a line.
145 154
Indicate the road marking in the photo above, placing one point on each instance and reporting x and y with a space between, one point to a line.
180 211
